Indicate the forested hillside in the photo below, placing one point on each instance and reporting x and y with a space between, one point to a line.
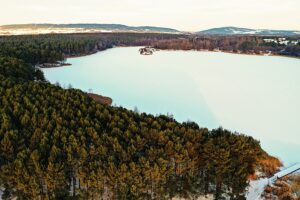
60 144
235 44
230 30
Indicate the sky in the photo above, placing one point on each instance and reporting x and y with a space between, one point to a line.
186 15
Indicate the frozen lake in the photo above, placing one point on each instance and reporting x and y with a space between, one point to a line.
254 95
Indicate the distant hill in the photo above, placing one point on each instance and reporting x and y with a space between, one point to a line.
22 29
19 29
246 31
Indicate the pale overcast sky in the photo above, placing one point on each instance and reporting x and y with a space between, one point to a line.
189 15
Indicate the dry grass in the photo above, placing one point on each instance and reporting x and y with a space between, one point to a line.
100 99
270 165
295 185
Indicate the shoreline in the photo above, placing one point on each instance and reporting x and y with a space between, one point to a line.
157 49
52 65
214 51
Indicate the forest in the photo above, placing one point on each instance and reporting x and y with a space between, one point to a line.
58 143
35 49
235 44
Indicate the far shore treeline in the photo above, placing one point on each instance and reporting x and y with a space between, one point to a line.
49 48
59 143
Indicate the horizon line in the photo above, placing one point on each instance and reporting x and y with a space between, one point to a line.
228 26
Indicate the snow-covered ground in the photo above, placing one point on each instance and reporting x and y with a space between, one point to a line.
37 31
47 31
256 188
